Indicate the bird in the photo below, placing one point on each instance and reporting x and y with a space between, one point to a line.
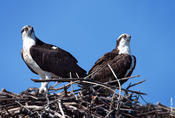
47 60
120 60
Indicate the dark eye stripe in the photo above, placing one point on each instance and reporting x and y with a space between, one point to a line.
124 36
22 30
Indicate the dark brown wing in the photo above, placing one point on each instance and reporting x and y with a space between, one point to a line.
26 63
120 64
57 61
103 60
49 46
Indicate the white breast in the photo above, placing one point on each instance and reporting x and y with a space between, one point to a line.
124 47
27 44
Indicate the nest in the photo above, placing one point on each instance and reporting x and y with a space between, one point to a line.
80 103
68 101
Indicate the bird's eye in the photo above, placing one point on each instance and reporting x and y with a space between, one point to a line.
124 36
22 30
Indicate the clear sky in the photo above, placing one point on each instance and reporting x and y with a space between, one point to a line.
88 29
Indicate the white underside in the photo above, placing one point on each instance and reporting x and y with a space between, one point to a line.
131 67
27 44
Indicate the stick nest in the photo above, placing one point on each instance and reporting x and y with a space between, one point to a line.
86 102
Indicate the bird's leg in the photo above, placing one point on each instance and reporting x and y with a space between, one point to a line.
44 85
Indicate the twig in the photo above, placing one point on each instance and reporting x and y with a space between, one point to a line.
121 79
77 75
72 88
108 114
131 85
23 106
10 93
76 81
143 99
98 84
119 88
95 71
56 89
61 109
35 107
132 91
58 80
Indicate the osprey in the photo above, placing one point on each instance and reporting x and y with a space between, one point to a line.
46 60
120 59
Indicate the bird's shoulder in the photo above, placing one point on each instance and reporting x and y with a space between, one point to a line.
102 61
107 57
54 50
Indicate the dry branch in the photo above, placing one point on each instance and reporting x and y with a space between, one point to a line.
58 105
85 102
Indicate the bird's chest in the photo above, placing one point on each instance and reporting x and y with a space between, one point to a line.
28 58
30 62
27 44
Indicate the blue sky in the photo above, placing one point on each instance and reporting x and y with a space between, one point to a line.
88 29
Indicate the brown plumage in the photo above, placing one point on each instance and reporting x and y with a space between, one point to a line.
119 63
120 59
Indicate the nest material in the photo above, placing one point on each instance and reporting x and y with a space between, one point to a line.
81 103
